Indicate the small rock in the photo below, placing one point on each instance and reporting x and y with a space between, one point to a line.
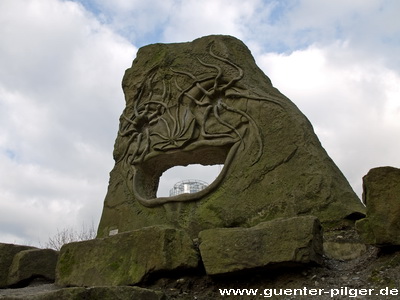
313 277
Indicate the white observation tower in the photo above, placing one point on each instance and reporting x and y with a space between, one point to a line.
188 186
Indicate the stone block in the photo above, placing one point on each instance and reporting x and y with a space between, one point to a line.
7 253
31 264
289 241
381 194
344 251
126 258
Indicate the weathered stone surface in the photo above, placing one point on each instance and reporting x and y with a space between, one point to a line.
282 241
125 258
344 251
207 102
33 263
95 293
381 194
7 253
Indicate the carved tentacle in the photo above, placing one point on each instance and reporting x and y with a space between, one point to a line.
216 114
159 135
137 100
203 130
164 94
185 73
196 82
150 86
272 99
199 103
129 120
167 126
126 132
203 124
254 125
147 148
235 79
134 154
219 75
127 148
182 92
185 128
153 117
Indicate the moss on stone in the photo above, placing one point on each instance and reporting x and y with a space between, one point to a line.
288 241
126 258
279 170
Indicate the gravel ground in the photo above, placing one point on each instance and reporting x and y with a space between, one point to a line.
36 287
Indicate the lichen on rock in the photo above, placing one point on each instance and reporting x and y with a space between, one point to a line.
281 242
207 102
382 197
126 258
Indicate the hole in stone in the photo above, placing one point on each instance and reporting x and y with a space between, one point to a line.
147 175
185 175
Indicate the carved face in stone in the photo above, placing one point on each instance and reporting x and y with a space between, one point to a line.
182 116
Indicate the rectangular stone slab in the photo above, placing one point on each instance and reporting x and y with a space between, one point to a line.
381 194
126 258
7 253
30 264
281 241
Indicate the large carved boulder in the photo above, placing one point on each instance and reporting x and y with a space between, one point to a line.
206 102
382 196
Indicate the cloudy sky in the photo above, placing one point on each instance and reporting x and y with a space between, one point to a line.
62 62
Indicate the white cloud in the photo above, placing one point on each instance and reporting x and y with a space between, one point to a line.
193 19
60 99
175 20
137 19
353 104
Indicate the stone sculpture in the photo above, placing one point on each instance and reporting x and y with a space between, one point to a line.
207 102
